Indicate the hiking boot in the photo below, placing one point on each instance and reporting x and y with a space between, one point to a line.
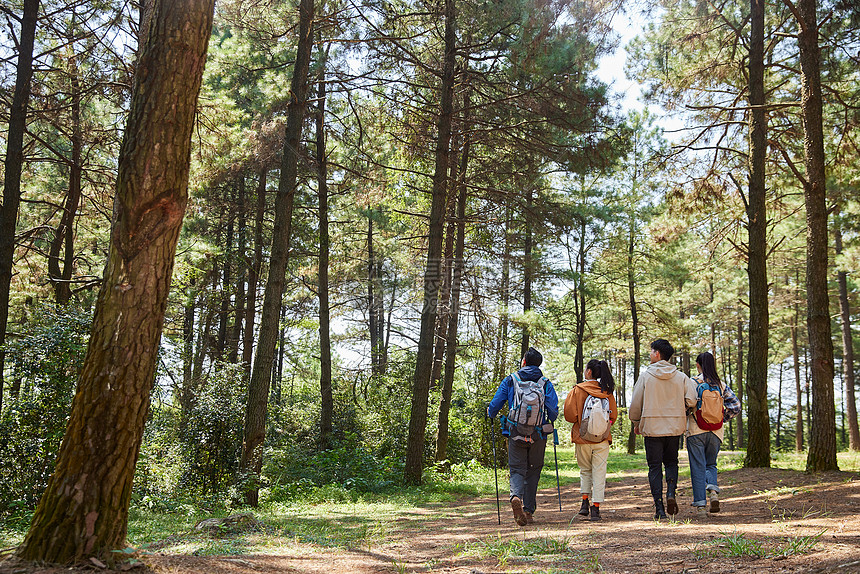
671 505
659 511
715 501
701 512
595 513
583 510
519 514
529 518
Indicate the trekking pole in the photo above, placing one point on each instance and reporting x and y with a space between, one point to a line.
555 454
496 468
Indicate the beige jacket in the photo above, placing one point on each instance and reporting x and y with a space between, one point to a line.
660 400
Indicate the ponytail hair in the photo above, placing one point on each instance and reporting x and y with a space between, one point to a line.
600 371
709 368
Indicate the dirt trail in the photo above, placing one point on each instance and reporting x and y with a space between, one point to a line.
770 507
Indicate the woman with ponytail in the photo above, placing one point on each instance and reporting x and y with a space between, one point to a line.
592 450
703 444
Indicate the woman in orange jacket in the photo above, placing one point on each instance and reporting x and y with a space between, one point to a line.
592 438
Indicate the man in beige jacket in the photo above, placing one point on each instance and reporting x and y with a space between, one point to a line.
658 411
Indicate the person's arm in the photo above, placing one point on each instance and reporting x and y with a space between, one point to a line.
691 397
551 402
731 404
634 412
613 413
499 398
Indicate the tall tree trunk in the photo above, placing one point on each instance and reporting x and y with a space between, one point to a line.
758 448
779 409
795 352
442 317
327 406
254 272
13 165
84 510
242 272
528 273
579 354
822 437
424 359
634 318
500 369
64 238
847 352
454 301
375 306
226 287
256 411
739 389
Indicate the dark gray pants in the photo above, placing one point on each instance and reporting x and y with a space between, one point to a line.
525 461
662 451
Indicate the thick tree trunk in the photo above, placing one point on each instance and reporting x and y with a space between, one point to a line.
822 437
84 510
454 301
13 165
254 272
327 404
424 359
847 352
758 448
258 387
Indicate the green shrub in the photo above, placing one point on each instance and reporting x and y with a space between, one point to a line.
45 362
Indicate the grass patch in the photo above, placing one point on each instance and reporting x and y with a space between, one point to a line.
506 550
737 545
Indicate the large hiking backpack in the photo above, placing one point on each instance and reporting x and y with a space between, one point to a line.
526 413
594 425
709 406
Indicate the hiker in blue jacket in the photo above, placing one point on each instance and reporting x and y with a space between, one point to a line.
526 432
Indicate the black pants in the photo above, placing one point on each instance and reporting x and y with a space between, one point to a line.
662 451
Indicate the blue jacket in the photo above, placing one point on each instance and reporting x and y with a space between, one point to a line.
505 393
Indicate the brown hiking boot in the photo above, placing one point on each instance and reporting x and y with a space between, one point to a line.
671 506
519 514
529 518
715 501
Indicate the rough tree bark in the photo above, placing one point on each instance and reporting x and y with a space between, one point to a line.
424 359
256 410
822 436
758 448
84 510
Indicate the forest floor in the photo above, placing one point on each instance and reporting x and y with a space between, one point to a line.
771 521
